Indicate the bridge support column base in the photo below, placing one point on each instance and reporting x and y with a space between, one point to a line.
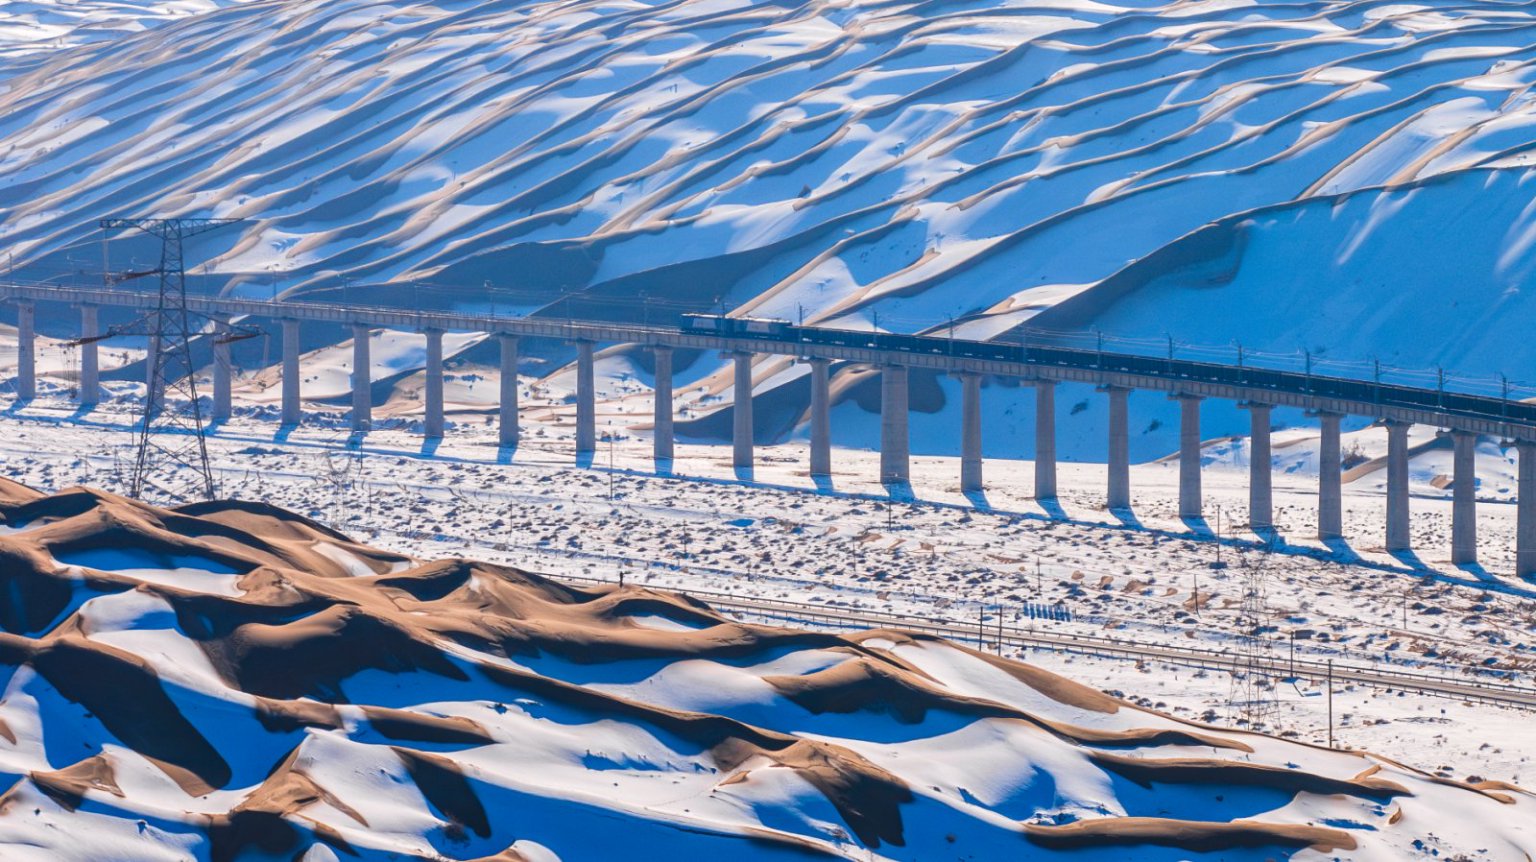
362 379
434 385
291 409
507 427
1330 498
1191 505
895 448
821 417
970 433
1525 511
1464 498
662 438
1398 522
586 401
1261 507
90 363
26 350
1045 440
742 456
1119 479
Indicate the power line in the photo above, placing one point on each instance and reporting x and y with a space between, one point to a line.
172 458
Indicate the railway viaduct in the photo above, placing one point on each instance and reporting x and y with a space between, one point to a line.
1329 399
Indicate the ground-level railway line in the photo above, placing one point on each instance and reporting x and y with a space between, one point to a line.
989 636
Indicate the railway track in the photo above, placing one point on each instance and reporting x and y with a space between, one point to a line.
992 636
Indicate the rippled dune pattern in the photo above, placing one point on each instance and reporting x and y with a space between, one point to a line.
32 28
230 681
896 162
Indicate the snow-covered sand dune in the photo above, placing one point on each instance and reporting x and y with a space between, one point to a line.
902 160
894 164
30 29
231 681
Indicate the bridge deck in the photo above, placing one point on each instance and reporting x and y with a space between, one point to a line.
1445 409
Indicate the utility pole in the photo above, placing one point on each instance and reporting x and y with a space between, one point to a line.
1330 703
171 442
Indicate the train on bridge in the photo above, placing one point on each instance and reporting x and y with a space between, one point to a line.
1383 394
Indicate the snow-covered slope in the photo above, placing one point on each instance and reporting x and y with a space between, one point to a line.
906 159
231 681
889 164
1434 274
31 28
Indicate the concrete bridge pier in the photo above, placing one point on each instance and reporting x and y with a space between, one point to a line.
506 418
434 384
895 448
291 409
821 417
1525 511
1045 440
970 432
586 401
1261 505
223 369
741 412
1398 538
1119 490
1463 498
90 363
362 379
26 350
662 437
1190 501
1330 479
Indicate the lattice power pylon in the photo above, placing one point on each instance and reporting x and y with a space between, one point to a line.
172 459
1251 700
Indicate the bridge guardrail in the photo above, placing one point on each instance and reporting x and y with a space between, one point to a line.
1503 415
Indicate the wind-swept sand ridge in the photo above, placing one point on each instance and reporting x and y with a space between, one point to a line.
221 683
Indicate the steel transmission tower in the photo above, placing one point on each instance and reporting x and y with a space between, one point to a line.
1251 698
172 459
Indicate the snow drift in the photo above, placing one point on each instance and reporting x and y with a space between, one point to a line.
230 681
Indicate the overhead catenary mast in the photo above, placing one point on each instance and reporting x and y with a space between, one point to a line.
172 458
